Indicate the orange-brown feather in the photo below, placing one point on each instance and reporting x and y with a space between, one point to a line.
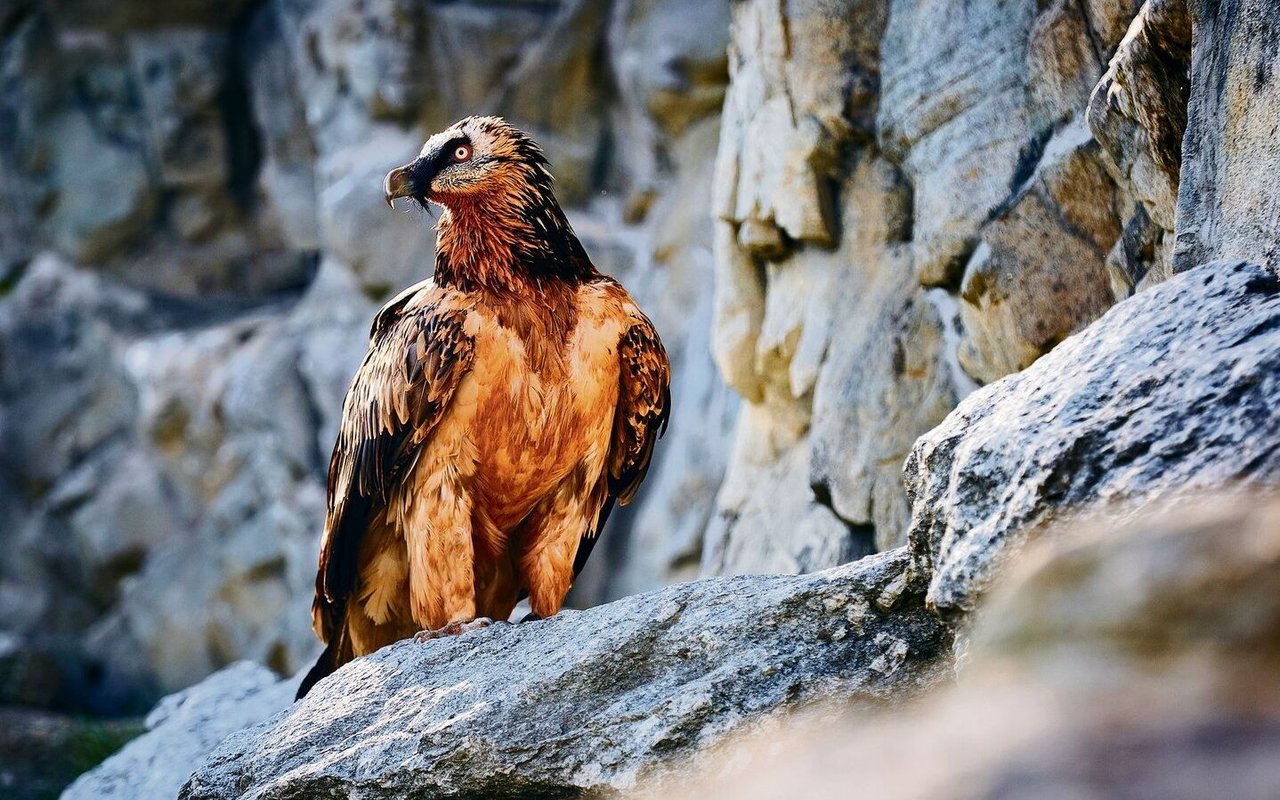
499 413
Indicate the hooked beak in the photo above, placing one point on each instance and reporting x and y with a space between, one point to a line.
399 183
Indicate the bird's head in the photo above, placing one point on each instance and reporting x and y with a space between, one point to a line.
474 160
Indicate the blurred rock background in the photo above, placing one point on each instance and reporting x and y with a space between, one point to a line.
843 216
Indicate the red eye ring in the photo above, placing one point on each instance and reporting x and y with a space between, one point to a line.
462 152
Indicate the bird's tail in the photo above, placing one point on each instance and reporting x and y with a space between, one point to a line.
323 668
337 651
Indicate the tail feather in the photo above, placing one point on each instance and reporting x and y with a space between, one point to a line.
323 668
337 650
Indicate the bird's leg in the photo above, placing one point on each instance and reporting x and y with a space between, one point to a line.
457 628
530 617
550 538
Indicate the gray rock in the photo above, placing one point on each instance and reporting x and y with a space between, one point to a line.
105 197
286 179
887 383
120 17
1062 62
1138 113
1174 389
1228 200
179 77
1119 659
590 701
670 56
387 249
953 112
181 731
243 415
1039 273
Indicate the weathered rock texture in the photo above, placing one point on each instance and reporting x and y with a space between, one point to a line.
1176 389
1226 208
928 200
1118 660
1138 113
586 701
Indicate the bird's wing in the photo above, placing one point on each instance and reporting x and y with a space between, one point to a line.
644 405
419 352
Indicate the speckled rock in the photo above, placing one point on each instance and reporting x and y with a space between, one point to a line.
1174 389
1119 659
588 702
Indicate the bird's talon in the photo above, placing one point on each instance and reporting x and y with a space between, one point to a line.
455 628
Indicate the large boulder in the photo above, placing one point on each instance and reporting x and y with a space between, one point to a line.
591 701
1118 660
1175 389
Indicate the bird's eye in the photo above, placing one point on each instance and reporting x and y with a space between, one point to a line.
462 153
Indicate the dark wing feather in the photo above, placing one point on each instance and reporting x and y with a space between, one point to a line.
644 405
418 354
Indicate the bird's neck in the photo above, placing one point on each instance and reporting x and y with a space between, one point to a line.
508 246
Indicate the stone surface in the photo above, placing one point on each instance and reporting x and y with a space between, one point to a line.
888 381
953 112
1039 271
181 732
1120 659
621 689
386 250
1228 206
178 478
101 209
1138 113
817 307
788 113
1173 390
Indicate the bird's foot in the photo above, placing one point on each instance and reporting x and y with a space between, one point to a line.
455 628
530 617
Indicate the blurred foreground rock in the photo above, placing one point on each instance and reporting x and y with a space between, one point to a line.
1174 389
586 701
1119 660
